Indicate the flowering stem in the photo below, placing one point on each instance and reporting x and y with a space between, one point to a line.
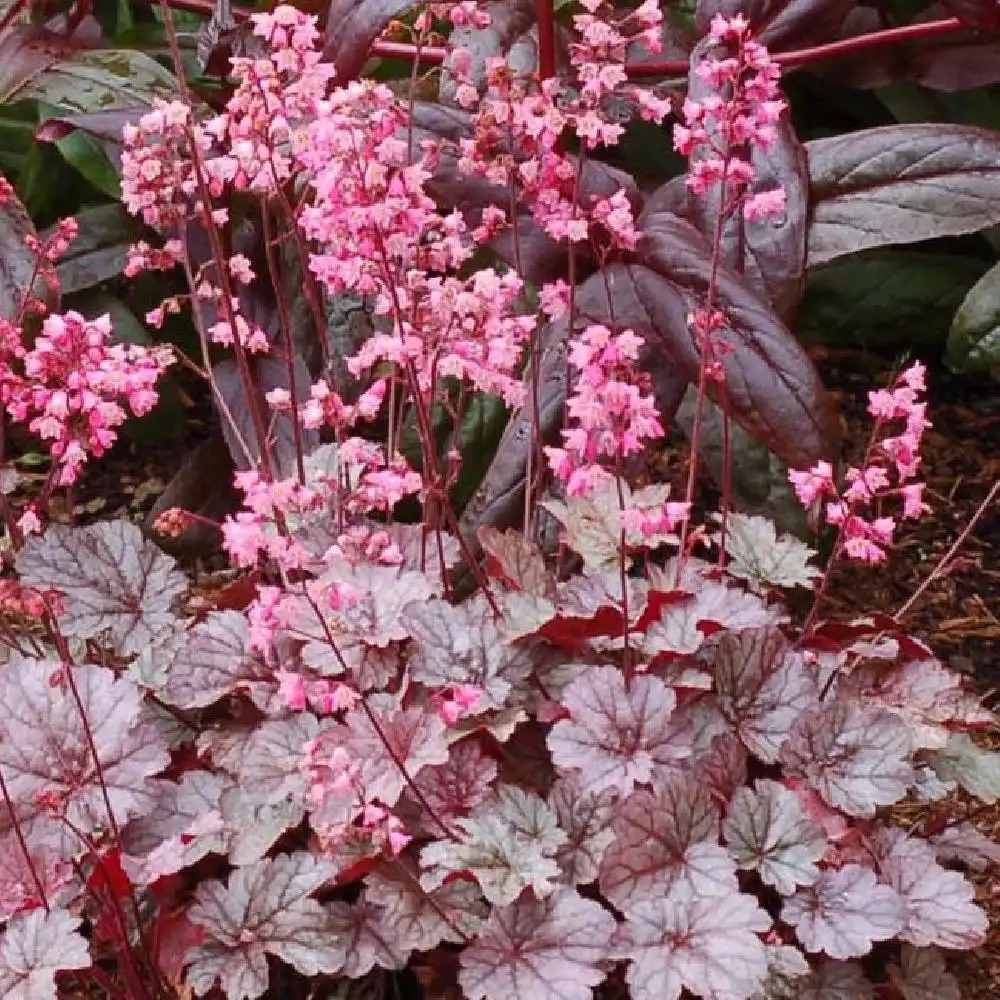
19 833
545 17
942 566
436 54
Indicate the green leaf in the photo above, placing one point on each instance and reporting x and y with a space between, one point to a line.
87 155
888 299
482 428
47 68
974 340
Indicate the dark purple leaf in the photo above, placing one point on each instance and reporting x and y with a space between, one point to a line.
24 53
901 184
977 13
771 252
772 388
351 27
269 373
780 23
104 125
17 262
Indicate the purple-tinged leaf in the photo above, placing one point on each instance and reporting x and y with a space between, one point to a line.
923 975
214 659
923 694
264 909
114 580
516 560
464 644
975 769
268 373
420 920
966 845
759 556
387 741
251 828
34 948
780 24
616 734
507 845
270 767
845 912
901 184
351 27
977 14
663 838
460 785
366 937
509 20
182 827
763 686
551 948
768 832
18 889
772 388
769 251
45 751
17 262
857 759
710 945
939 904
836 981
786 967
717 605
587 819
724 766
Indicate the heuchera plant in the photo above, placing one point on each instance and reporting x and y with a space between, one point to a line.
617 761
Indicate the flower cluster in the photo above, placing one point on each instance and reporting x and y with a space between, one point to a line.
738 112
611 413
74 386
889 470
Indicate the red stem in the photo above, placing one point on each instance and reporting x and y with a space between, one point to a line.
433 55
546 19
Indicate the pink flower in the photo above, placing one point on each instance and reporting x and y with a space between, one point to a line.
813 483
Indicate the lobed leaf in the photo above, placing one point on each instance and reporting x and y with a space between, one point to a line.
34 948
263 909
768 832
759 556
113 580
548 948
615 734
922 975
845 912
856 758
975 769
708 945
939 904
662 838
763 687
45 754
507 845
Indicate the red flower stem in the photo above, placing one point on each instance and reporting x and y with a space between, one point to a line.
433 55
546 19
